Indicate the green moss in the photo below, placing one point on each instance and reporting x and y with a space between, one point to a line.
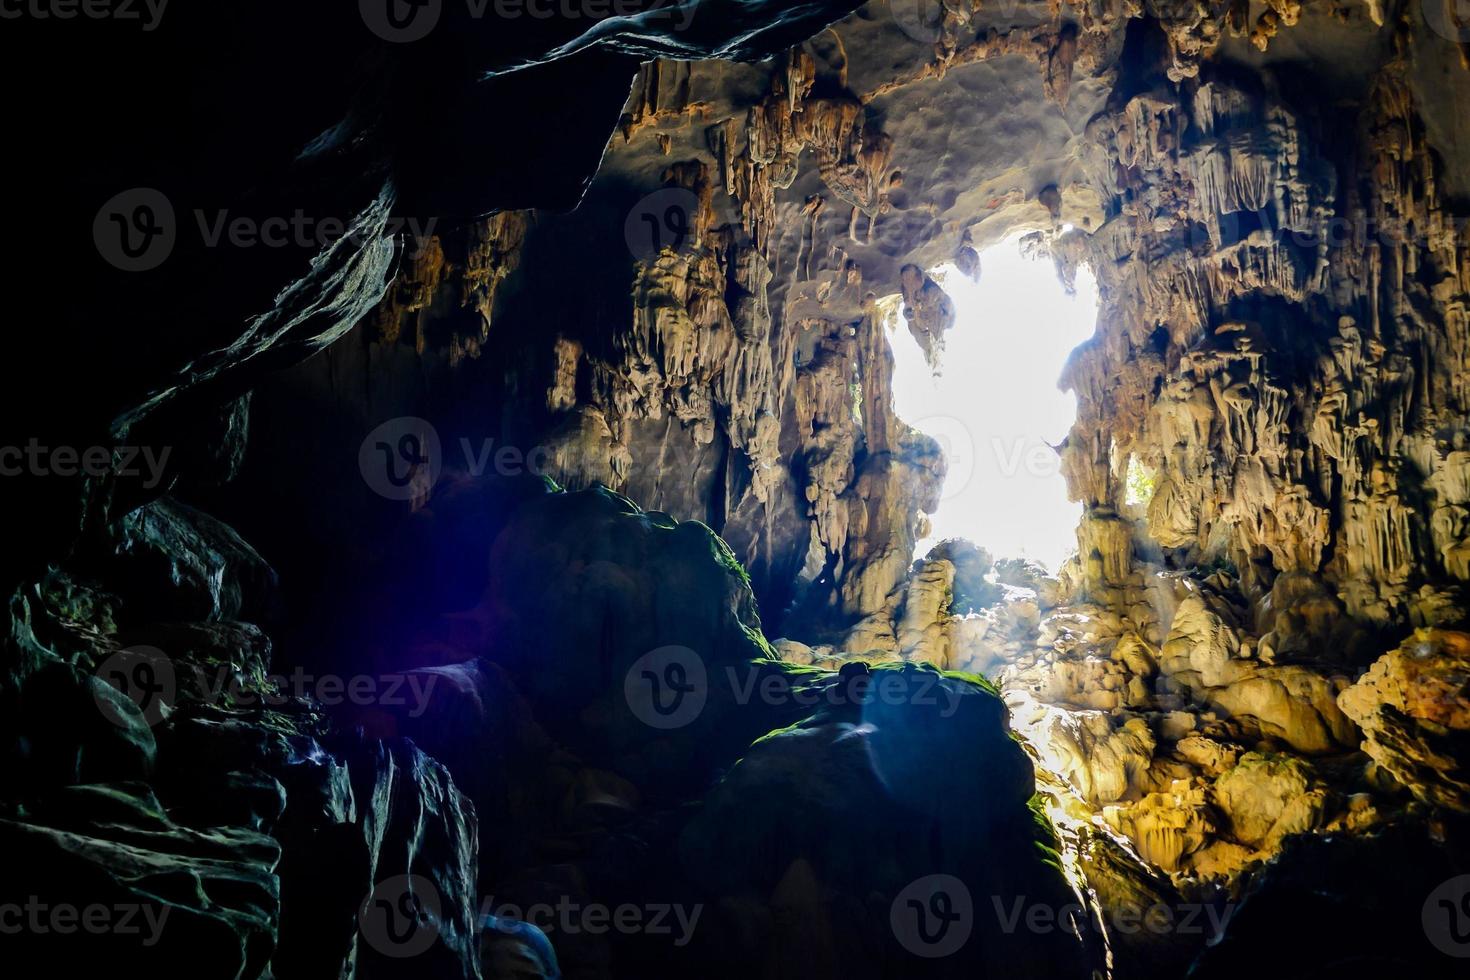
759 639
1048 846
626 503
776 732
979 680
725 556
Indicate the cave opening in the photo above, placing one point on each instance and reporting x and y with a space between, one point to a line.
994 404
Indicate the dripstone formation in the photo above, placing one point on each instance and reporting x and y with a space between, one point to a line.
621 293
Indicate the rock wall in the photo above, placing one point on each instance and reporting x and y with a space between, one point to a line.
1268 445
1255 654
1279 357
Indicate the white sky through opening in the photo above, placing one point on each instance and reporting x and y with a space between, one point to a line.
995 407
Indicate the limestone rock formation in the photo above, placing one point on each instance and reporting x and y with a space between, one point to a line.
204 897
780 832
585 766
659 256
1411 707
161 767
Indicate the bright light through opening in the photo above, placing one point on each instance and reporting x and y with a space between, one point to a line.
995 407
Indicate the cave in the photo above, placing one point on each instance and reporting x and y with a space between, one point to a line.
488 501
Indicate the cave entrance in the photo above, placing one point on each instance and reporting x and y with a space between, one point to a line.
994 405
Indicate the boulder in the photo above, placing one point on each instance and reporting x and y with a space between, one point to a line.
1415 719
1264 798
831 822
179 563
170 899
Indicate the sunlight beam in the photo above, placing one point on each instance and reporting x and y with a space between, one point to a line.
995 407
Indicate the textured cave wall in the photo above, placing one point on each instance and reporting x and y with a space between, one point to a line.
1285 300
1272 200
711 383
1281 352
743 379
258 824
1273 203
367 140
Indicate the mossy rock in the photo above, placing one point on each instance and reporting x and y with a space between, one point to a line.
833 819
